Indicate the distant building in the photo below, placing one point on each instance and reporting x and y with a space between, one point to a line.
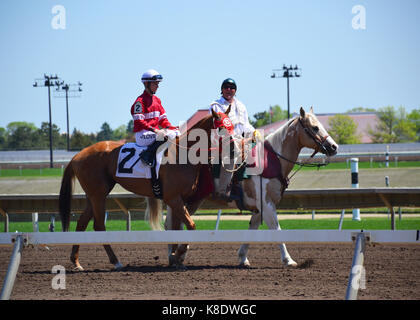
363 120
197 116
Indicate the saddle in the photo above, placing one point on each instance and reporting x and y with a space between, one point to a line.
271 165
130 165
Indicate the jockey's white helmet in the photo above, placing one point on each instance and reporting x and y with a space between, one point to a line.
151 75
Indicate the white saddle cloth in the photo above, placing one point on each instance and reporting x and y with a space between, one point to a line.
130 166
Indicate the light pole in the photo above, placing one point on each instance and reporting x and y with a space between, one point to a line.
66 88
287 72
47 82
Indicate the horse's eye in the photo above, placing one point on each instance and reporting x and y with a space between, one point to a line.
315 128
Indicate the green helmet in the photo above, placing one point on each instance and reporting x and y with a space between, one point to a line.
229 82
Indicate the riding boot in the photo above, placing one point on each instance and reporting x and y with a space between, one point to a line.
148 156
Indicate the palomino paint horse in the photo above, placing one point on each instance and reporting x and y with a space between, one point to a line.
95 168
262 194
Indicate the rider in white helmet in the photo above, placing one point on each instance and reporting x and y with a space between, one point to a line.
149 117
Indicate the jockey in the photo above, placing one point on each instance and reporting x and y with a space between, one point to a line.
148 115
242 128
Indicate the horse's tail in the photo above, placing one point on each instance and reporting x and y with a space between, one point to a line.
154 213
64 201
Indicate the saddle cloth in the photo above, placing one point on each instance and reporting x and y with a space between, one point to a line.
270 162
129 164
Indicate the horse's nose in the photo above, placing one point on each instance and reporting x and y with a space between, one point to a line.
333 149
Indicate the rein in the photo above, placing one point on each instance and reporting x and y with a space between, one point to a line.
245 157
318 141
299 163
225 123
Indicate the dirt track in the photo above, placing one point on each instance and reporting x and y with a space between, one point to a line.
392 272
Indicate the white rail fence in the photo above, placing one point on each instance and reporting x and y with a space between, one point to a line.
20 240
307 199
293 199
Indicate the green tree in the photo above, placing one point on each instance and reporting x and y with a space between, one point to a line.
120 132
414 117
404 128
3 138
130 126
79 140
274 114
22 135
59 141
105 133
130 133
393 126
343 129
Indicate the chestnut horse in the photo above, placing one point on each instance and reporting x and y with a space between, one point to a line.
262 193
95 168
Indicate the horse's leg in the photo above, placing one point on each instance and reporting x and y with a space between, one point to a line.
181 250
254 223
99 225
180 212
270 218
172 223
82 224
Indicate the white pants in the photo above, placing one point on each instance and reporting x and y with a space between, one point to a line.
145 138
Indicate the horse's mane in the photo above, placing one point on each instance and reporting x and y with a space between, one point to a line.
200 123
277 137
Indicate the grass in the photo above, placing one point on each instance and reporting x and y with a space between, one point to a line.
57 172
31 173
407 223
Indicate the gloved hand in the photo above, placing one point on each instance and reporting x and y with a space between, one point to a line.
160 134
257 136
172 134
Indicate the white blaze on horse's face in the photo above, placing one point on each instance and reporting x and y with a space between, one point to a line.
317 137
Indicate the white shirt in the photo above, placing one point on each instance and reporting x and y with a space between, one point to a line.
238 114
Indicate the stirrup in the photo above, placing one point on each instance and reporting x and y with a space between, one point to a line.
148 163
144 157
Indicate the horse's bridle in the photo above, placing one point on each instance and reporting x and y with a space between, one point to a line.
318 140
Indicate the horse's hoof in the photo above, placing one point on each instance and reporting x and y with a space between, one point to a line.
245 263
118 266
290 263
78 268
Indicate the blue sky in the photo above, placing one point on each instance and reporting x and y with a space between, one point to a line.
107 45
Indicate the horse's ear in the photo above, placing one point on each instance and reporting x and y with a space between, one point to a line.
302 112
312 110
228 110
214 114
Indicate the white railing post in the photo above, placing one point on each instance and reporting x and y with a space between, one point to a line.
355 183
357 272
9 280
35 222
218 219
340 225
